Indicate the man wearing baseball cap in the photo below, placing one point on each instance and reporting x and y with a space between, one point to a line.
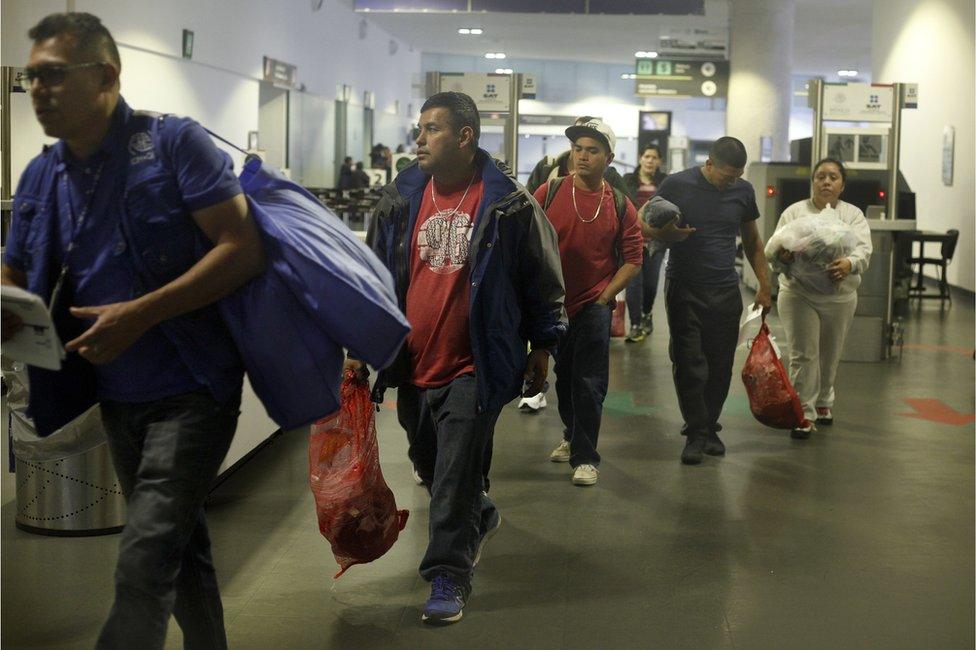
600 248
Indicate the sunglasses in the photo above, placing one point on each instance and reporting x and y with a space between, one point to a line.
50 75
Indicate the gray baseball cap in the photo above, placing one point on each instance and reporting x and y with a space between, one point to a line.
594 128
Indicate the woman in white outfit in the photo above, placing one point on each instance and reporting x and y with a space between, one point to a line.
816 322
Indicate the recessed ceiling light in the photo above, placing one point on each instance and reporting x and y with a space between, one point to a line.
464 30
477 31
640 54
503 71
490 55
652 55
847 73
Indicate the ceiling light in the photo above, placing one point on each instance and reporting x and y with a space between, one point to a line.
641 54
464 30
847 73
477 31
499 55
490 55
628 75
652 55
503 71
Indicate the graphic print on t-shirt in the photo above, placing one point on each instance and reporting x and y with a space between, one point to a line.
443 241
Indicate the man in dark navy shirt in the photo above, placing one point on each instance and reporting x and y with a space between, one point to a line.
702 291
119 212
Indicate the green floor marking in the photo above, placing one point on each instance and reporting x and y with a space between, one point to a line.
737 405
622 403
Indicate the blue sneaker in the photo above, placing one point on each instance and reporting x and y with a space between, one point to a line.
447 598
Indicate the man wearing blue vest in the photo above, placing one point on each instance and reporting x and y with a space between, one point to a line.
138 236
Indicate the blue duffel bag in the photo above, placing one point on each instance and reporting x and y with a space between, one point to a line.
323 290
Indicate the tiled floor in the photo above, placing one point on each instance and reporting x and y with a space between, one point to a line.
862 537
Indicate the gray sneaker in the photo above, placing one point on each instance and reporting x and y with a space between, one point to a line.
561 453
647 323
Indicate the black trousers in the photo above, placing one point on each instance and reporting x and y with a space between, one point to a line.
704 323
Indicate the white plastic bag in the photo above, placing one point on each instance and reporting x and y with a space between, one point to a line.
749 325
815 240
79 436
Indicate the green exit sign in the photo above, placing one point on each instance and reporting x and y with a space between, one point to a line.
657 68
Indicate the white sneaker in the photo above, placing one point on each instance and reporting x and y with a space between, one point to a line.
533 404
561 453
585 475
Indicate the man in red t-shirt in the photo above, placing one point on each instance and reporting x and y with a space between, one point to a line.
456 230
600 253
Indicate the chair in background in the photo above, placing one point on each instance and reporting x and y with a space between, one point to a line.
948 250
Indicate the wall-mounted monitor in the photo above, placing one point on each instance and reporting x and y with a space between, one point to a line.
655 121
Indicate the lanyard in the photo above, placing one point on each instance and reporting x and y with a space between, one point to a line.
79 223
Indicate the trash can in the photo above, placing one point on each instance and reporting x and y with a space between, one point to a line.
66 483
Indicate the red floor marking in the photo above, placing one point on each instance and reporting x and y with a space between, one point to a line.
966 352
936 411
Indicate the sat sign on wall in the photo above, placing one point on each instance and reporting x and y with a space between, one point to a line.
858 102
490 91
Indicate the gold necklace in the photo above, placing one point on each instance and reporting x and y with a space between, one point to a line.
599 206
463 196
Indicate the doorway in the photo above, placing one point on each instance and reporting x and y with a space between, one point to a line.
273 125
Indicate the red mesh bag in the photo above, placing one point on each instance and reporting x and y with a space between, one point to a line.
356 509
617 328
772 399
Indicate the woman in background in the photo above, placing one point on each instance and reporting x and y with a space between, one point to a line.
641 185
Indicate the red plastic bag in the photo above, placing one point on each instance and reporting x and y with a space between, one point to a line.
356 509
772 399
617 328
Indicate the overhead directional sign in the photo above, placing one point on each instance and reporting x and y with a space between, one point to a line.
681 78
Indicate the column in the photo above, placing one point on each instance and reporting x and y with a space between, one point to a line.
760 87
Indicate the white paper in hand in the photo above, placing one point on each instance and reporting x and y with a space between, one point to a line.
749 326
37 343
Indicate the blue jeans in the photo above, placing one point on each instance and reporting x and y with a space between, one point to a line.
449 440
582 375
166 454
643 287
